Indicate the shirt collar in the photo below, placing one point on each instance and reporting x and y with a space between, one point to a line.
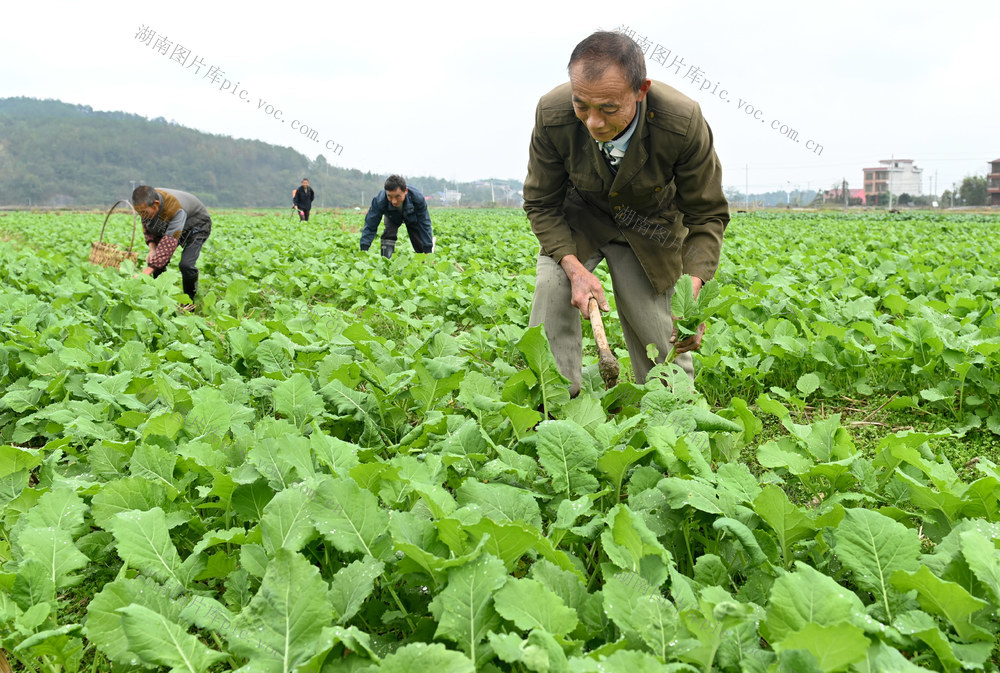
622 140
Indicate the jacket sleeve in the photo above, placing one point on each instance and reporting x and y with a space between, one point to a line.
372 219
421 213
544 192
164 251
168 243
698 178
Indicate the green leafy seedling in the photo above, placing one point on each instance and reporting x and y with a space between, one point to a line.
690 312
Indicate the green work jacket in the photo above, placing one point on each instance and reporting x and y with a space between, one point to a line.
666 198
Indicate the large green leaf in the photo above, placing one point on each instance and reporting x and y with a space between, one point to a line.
14 459
157 640
124 495
351 585
287 522
835 646
350 518
623 593
694 493
881 657
924 628
104 623
144 543
464 608
212 415
682 302
531 605
873 547
626 661
437 377
540 652
983 558
280 629
616 462
787 521
807 596
943 598
506 541
33 584
61 508
629 543
568 454
554 386
501 502
423 657
54 549
296 400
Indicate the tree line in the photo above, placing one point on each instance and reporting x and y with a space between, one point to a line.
57 154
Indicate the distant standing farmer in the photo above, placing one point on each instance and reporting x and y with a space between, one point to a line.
399 204
172 218
608 146
302 198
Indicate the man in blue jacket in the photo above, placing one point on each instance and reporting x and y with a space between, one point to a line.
398 204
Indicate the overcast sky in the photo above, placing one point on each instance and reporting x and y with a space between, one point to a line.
449 88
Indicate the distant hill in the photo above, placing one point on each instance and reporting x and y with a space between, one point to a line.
58 154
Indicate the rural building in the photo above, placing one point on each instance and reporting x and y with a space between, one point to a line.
993 184
836 195
450 197
895 176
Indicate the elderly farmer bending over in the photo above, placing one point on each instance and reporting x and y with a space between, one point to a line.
172 218
610 146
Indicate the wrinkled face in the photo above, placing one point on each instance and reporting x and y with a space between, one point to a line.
605 105
396 197
147 212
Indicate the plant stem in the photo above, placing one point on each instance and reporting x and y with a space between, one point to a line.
400 604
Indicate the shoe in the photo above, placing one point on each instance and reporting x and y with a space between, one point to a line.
186 308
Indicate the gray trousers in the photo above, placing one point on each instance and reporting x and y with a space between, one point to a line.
644 314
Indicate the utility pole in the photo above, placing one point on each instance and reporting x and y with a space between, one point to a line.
746 177
846 194
892 160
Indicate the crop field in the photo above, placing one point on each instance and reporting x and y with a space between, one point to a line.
345 463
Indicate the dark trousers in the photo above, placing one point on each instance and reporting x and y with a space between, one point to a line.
421 237
303 214
190 250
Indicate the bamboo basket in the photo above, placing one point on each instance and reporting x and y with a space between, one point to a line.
109 254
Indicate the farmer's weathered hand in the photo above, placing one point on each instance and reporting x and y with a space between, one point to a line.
692 343
584 286
148 271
